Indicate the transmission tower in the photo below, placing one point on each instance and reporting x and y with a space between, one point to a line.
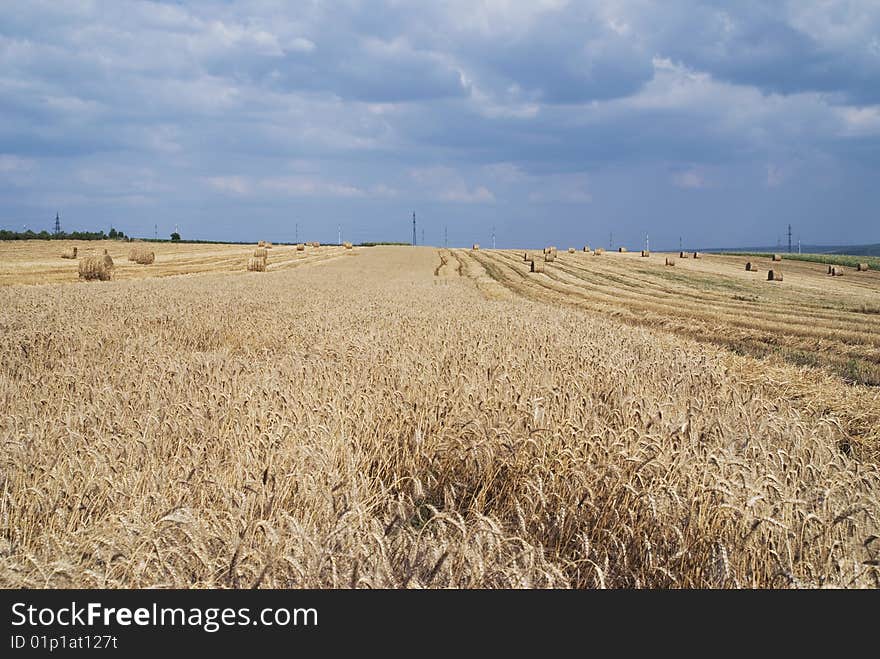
57 224
789 239
414 229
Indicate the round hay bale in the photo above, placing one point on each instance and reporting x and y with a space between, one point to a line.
96 268
646 253
526 256
682 255
586 248
347 245
862 267
777 257
256 265
300 247
69 253
537 266
749 267
670 261
571 250
549 257
599 252
141 255
476 247
774 275
697 255
262 243
260 253
622 250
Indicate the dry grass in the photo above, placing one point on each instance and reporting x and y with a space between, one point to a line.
261 253
37 262
236 431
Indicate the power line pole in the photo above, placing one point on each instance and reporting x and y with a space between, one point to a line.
647 243
296 232
679 244
611 240
339 231
493 236
789 239
414 229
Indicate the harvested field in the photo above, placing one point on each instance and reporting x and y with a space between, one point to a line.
430 428
37 262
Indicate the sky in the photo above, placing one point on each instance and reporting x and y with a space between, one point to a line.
550 122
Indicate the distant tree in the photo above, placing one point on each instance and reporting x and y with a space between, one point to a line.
112 233
175 236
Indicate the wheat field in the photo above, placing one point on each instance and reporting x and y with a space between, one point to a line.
419 418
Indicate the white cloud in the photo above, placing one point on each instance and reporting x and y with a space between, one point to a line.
235 185
11 164
690 179
447 184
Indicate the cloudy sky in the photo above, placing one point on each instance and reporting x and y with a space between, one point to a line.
552 121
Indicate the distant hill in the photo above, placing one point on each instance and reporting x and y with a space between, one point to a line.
855 250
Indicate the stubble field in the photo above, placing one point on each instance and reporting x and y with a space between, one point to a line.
399 417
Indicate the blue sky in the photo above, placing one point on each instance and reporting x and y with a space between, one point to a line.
555 122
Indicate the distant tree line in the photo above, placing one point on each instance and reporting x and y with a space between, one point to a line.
73 235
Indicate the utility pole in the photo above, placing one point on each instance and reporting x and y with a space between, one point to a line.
799 245
414 229
679 244
423 235
493 236
789 239
296 234
339 231
647 243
